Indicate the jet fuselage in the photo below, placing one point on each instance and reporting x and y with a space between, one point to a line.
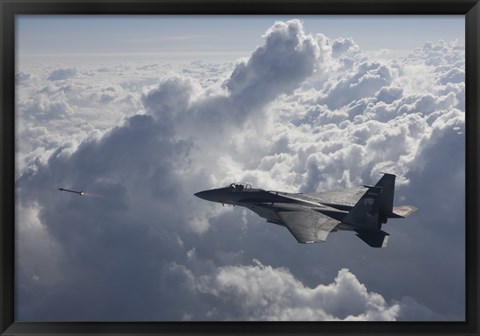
311 217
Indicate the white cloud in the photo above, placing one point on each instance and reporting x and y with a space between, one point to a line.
287 58
62 74
364 81
261 292
302 113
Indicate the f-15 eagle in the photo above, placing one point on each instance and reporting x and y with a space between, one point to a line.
311 217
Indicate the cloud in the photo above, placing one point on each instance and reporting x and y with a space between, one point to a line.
264 293
44 109
287 58
366 80
344 47
302 113
62 74
410 310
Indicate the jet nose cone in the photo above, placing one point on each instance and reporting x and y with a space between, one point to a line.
209 195
202 195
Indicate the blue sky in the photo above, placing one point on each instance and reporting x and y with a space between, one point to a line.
214 37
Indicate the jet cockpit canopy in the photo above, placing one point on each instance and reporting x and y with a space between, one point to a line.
239 186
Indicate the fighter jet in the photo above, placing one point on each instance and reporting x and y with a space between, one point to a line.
72 191
311 217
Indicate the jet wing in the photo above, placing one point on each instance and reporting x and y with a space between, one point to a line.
307 226
345 196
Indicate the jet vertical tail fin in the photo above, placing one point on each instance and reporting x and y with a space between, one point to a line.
365 212
386 208
387 183
375 206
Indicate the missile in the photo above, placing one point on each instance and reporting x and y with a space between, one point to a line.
72 191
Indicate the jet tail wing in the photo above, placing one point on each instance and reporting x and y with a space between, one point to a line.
374 238
403 211
307 226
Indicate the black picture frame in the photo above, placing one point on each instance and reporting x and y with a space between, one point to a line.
11 8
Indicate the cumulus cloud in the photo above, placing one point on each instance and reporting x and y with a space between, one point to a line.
287 58
366 80
302 113
264 293
343 47
61 74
